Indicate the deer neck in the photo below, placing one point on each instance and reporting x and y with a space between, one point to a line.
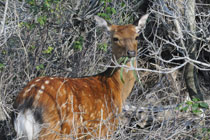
121 81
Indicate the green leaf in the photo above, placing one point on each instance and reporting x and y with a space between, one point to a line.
2 66
204 130
48 50
178 107
31 2
103 46
121 75
42 20
123 4
134 72
184 108
197 111
135 75
189 102
33 47
124 59
120 60
195 106
108 10
204 105
195 99
47 4
104 15
39 67
78 44
113 11
4 52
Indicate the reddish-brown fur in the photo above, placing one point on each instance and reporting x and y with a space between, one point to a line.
85 107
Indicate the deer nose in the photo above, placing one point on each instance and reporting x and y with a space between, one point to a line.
131 53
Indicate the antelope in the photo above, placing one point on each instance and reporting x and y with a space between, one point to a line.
80 108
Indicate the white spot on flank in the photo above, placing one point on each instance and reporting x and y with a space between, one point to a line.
28 90
40 91
51 78
63 106
92 116
80 107
37 80
81 118
42 87
47 82
33 85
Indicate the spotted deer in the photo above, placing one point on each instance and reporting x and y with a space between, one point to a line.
80 108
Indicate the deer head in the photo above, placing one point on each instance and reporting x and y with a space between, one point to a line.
123 37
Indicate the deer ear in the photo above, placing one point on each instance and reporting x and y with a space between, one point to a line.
141 22
102 22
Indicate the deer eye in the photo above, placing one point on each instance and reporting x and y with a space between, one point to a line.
115 39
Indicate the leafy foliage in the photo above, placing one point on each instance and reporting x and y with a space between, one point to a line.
194 106
48 50
78 44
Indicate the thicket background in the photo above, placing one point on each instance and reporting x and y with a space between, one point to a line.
60 38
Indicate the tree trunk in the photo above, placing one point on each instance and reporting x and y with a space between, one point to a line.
190 72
